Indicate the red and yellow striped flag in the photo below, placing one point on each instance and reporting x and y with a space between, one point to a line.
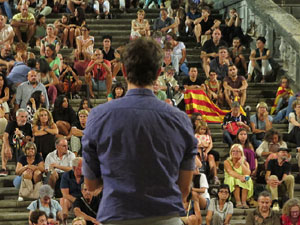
198 101
280 92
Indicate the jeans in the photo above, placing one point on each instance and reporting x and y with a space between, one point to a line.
228 138
256 142
280 115
289 108
7 9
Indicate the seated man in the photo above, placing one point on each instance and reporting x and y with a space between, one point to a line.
210 49
26 88
204 26
164 23
70 186
220 63
235 86
87 206
58 162
101 79
232 122
6 58
236 53
23 24
263 213
193 81
16 135
167 82
7 33
192 15
77 132
259 59
279 178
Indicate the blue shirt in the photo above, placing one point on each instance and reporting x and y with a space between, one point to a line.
18 74
68 181
138 144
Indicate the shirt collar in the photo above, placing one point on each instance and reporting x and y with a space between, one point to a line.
140 91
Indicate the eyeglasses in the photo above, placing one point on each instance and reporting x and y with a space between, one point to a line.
224 192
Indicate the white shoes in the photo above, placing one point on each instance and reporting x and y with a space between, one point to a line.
20 199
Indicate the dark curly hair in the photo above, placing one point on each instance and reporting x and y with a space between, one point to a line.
37 98
58 104
82 101
118 85
270 133
142 59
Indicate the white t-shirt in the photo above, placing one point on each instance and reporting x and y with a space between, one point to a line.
204 184
5 32
106 6
291 126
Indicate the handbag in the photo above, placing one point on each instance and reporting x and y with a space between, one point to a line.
29 190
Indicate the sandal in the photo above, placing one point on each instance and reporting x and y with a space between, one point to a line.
239 205
245 206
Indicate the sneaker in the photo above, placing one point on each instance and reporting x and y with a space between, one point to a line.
3 173
98 17
276 207
76 96
198 45
20 199
216 181
65 47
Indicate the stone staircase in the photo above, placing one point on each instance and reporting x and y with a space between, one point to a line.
13 212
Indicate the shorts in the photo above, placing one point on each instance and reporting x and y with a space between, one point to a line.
99 85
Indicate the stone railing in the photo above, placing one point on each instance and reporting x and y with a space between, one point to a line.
282 30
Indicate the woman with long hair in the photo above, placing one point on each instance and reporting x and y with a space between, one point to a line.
76 22
85 104
52 59
36 101
237 176
242 138
48 79
64 116
118 91
44 131
291 212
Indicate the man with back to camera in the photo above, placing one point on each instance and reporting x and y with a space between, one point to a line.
140 147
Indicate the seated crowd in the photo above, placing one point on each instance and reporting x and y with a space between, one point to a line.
38 124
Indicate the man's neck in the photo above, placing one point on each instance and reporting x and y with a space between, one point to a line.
133 86
106 49
264 214
193 79
60 155
233 78
216 42
280 161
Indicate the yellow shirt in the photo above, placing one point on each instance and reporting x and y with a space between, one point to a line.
18 17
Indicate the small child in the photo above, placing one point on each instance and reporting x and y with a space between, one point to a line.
202 133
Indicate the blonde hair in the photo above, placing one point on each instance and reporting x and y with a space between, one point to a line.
240 147
261 105
83 112
141 11
295 103
79 219
286 210
202 124
76 161
36 117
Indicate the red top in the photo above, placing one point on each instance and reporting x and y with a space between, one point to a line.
99 72
285 220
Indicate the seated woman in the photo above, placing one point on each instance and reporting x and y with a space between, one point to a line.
30 166
268 149
179 54
62 28
38 217
69 82
45 202
140 27
4 95
50 38
44 131
78 221
220 209
76 22
48 79
205 146
237 176
52 59
118 91
85 104
36 101
85 42
291 212
40 30
196 118
64 116
242 138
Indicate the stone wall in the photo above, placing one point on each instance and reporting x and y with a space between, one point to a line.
281 30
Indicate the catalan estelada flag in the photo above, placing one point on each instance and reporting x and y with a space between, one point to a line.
198 101
280 92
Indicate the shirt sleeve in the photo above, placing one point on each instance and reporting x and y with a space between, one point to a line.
211 205
263 147
90 162
269 168
19 94
230 208
77 204
56 205
203 181
32 206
